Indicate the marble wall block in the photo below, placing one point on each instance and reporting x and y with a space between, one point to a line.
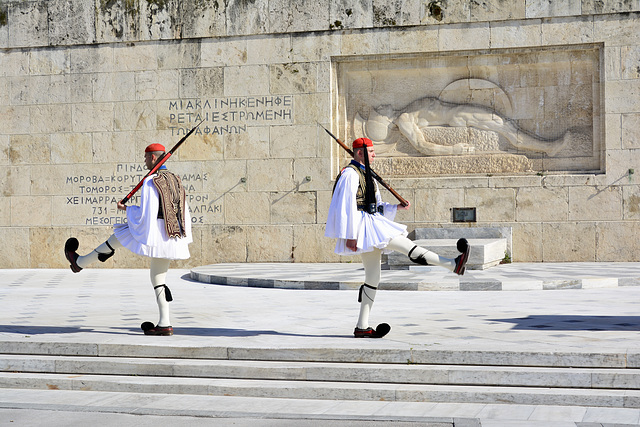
222 244
203 19
243 17
527 242
593 203
15 256
631 131
15 181
631 202
39 208
270 175
568 242
29 149
29 25
434 206
542 204
293 208
247 208
71 22
270 243
549 8
492 204
310 245
615 240
222 52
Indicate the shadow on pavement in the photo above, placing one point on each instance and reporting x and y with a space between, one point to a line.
574 323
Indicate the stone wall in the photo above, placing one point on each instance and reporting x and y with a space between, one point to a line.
85 86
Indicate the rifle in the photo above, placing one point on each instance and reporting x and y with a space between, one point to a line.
159 163
377 177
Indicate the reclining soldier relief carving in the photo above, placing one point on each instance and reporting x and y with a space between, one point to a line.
386 126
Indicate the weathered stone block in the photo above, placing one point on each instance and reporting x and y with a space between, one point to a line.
175 55
270 175
496 204
293 141
631 131
317 170
293 208
247 208
582 201
221 244
631 202
29 26
236 78
29 149
270 244
203 19
225 176
71 22
135 116
546 9
38 207
252 144
464 36
569 242
310 245
52 119
17 255
93 117
542 204
224 53
433 205
616 240
15 181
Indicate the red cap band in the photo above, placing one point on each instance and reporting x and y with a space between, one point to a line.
154 147
361 142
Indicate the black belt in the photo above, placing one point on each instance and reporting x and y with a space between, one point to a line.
379 209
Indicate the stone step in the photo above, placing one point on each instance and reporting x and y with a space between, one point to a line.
586 378
325 390
100 408
362 354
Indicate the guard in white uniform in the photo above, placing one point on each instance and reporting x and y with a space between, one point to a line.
160 228
363 224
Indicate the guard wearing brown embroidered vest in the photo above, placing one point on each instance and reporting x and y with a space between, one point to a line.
364 225
160 228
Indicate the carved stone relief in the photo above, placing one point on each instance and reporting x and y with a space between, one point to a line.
511 111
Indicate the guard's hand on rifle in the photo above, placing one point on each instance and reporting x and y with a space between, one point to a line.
404 208
122 206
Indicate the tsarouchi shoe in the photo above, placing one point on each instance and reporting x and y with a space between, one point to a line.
70 248
150 329
461 261
380 331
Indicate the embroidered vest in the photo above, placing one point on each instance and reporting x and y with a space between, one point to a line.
172 202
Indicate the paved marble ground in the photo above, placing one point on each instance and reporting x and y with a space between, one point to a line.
106 306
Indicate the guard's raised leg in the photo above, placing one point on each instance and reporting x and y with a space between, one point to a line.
101 253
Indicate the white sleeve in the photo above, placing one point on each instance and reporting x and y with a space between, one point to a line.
343 220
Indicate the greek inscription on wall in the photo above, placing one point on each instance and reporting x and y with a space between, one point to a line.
229 115
99 194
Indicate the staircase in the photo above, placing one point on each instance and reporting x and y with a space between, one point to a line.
556 379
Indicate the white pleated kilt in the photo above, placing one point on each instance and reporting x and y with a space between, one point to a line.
163 246
374 231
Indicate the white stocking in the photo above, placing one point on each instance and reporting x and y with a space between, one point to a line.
371 262
403 245
90 258
158 271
